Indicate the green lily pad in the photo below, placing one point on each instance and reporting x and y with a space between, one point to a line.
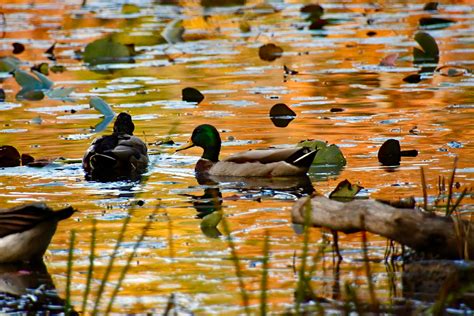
106 50
101 106
209 224
327 154
27 81
9 63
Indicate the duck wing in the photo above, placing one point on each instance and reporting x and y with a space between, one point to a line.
262 155
21 218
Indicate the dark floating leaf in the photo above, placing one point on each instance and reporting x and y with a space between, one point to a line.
371 33
50 52
452 71
222 3
429 52
431 6
129 8
18 48
281 115
270 52
31 95
430 21
337 110
390 154
2 95
289 71
345 191
413 78
42 68
9 156
190 94
314 10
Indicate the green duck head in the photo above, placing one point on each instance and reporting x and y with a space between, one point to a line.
207 137
123 124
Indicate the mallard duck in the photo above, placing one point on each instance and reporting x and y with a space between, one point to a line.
26 231
252 163
119 156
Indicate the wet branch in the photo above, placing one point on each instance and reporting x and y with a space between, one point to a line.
421 231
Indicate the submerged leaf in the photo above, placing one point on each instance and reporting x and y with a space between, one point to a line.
192 95
270 52
101 106
106 50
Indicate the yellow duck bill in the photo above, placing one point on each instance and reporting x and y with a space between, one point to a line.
187 145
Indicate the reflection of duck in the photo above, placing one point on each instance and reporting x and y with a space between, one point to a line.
299 186
26 231
117 156
253 163
28 287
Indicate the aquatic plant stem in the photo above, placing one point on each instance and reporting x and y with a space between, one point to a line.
450 187
111 263
127 265
264 282
238 270
70 259
368 272
90 270
301 285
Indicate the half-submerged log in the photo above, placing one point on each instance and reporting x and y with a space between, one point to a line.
424 232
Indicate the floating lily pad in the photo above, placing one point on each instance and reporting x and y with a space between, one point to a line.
31 95
27 81
431 6
345 191
270 52
314 10
190 94
107 50
173 32
42 68
129 8
327 154
281 115
9 63
9 156
209 224
101 106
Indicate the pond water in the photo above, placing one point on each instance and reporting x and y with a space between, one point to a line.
338 67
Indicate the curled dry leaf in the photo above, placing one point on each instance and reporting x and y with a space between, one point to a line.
389 60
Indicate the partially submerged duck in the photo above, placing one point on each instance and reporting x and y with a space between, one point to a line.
120 156
253 163
26 231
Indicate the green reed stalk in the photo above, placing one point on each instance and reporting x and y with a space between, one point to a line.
423 185
70 259
127 265
90 269
264 284
238 270
450 188
105 278
301 285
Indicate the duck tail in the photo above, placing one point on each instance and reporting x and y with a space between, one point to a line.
64 213
303 158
